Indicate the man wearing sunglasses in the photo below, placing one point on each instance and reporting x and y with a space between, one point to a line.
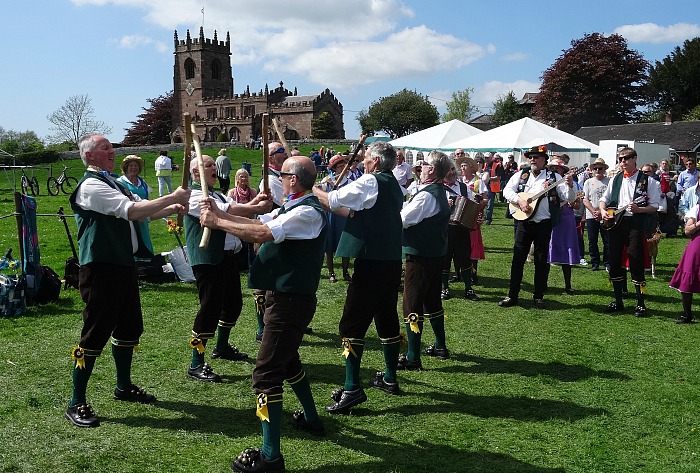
636 192
593 190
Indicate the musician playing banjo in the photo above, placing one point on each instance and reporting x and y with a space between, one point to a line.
539 216
639 196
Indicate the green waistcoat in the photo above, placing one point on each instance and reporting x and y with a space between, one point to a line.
641 221
214 252
292 266
375 233
105 238
429 236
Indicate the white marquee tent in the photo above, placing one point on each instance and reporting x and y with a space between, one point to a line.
518 136
436 137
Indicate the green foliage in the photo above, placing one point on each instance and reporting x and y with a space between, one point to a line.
323 127
75 119
221 137
598 81
674 83
506 109
460 107
400 114
38 157
566 389
15 142
154 125
694 114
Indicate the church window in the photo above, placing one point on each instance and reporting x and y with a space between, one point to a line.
189 68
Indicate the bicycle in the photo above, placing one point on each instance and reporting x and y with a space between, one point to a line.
65 183
29 183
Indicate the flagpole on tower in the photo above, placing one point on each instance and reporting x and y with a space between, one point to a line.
202 16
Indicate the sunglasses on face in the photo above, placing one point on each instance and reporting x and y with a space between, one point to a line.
278 151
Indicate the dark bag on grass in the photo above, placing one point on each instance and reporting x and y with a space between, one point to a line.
49 288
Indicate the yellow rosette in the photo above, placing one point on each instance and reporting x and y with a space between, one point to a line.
413 322
347 349
78 355
261 410
197 344
260 303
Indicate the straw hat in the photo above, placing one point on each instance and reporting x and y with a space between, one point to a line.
600 161
557 162
338 158
132 158
469 162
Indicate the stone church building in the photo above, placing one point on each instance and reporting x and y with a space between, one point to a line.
203 86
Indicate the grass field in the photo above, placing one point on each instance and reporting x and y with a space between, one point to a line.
565 389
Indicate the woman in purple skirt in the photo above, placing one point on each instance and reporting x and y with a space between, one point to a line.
687 276
563 246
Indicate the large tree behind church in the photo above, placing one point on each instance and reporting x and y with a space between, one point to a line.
598 81
400 114
154 125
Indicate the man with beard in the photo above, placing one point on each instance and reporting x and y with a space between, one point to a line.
537 229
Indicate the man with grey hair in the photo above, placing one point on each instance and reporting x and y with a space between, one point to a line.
105 212
373 237
288 268
425 218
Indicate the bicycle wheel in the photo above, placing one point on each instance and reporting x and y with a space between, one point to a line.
25 184
69 185
34 185
52 185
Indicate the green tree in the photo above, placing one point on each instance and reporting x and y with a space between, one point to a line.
154 124
400 114
599 81
15 142
506 109
323 127
75 119
674 83
460 107
694 114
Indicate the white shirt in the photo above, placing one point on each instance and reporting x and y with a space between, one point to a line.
100 197
231 242
534 185
300 222
420 207
358 195
402 173
627 192
593 190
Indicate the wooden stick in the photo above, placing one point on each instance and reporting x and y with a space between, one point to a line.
345 170
266 155
186 159
202 180
280 135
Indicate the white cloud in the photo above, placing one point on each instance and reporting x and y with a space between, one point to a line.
514 57
409 53
137 41
653 33
485 95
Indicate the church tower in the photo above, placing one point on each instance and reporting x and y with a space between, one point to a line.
202 71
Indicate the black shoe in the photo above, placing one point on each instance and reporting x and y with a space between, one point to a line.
539 303
439 353
203 373
640 311
445 294
614 307
346 400
300 422
346 276
134 394
308 330
331 278
379 383
684 320
595 267
251 460
231 353
408 365
455 278
258 337
607 268
569 291
471 295
508 302
82 415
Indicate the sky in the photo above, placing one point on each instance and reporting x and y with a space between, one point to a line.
120 52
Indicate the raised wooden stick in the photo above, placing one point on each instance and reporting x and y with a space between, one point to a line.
266 155
186 159
345 170
203 181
